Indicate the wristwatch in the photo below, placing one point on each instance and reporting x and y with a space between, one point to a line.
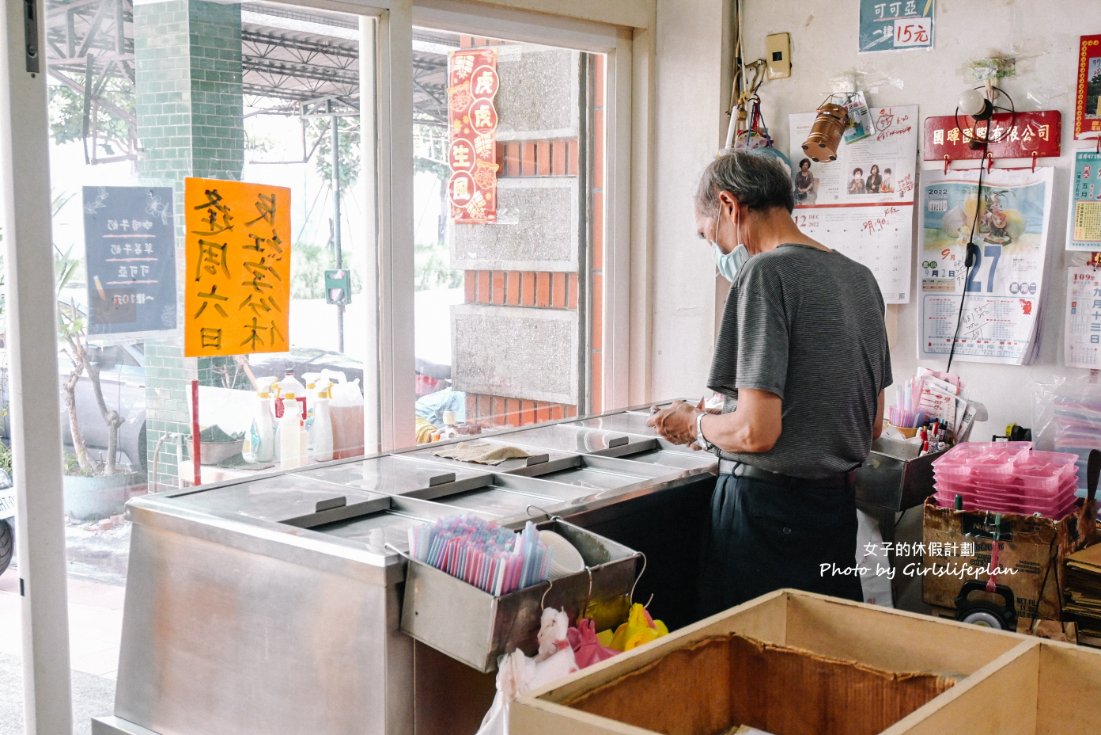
701 440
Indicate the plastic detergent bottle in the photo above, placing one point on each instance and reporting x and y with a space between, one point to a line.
259 439
346 409
292 439
321 429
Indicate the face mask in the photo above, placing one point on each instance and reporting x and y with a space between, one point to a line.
729 263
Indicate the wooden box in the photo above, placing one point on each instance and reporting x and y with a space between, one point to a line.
1042 688
788 663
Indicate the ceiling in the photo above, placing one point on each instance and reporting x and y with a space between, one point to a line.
294 61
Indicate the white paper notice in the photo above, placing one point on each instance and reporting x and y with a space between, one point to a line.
861 204
1004 287
1082 341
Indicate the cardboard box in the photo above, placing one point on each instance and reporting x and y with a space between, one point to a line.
1031 550
787 663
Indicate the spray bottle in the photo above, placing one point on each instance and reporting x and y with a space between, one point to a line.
291 436
321 427
289 385
259 439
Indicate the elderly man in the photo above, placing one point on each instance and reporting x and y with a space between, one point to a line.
802 356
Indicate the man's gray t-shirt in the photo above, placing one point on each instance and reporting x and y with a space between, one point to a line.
806 325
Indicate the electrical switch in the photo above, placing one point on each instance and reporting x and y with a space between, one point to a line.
778 55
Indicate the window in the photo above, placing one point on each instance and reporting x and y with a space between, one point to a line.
273 93
509 276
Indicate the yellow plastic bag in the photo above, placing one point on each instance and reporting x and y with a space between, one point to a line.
640 628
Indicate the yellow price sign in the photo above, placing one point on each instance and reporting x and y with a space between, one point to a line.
237 282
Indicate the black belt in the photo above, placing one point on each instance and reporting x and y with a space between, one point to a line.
741 469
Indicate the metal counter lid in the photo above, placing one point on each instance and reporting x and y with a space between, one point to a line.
628 422
599 472
277 498
572 438
393 475
383 529
503 497
428 454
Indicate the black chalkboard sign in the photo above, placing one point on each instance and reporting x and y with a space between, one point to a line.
131 259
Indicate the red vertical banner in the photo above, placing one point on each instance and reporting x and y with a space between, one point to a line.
472 84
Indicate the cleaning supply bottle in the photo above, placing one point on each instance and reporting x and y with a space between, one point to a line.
291 437
289 384
321 428
313 388
346 409
259 439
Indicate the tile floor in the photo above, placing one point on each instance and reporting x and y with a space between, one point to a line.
95 623
95 627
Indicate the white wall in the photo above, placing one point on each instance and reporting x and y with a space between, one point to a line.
1043 36
692 78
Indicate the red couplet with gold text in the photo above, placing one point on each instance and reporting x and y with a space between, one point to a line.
472 154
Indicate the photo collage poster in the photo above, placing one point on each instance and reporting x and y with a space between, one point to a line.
862 204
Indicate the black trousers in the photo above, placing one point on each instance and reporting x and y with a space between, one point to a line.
766 535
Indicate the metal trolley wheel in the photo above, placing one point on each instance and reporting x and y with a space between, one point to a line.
985 613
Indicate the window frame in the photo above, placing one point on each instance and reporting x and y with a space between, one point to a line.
622 31
617 44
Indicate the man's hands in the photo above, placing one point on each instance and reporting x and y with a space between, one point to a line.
677 423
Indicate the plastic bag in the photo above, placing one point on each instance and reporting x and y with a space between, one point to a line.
517 674
640 628
587 649
1066 417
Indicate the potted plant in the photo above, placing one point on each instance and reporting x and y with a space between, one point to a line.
92 488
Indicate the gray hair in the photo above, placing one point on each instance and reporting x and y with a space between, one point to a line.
757 180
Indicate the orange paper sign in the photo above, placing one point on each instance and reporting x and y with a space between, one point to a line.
237 283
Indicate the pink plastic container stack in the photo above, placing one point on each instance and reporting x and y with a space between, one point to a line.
1007 477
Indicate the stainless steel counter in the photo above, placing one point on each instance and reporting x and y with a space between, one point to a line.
272 605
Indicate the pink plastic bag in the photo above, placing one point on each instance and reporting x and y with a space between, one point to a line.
586 648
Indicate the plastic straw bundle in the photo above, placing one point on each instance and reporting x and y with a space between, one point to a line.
906 410
482 553
929 396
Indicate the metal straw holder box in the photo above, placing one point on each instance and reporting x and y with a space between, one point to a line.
895 476
476 627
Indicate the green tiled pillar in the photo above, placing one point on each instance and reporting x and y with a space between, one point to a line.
190 122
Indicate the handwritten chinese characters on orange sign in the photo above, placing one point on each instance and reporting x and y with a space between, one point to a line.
472 156
237 292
